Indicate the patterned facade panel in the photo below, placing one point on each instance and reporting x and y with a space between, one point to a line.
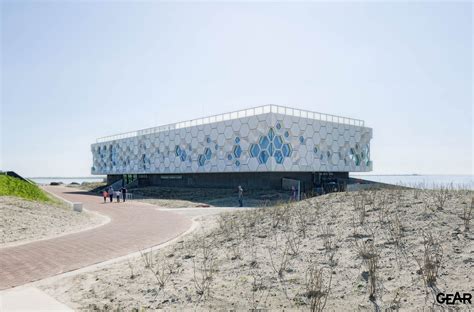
266 142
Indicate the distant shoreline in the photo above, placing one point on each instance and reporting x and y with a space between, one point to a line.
412 175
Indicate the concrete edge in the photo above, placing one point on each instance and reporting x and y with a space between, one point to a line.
30 299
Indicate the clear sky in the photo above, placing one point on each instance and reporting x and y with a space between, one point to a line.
75 71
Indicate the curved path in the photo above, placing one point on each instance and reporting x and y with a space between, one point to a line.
133 226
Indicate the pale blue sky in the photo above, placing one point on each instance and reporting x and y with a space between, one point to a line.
75 71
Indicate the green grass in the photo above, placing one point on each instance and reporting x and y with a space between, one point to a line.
18 188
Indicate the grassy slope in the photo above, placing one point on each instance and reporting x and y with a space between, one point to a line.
15 187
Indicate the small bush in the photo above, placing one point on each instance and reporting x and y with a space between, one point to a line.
467 215
431 261
317 289
369 254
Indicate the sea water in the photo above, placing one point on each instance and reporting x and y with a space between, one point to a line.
426 181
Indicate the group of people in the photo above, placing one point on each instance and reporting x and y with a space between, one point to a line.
110 193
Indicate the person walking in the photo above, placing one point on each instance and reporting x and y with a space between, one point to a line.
241 196
293 193
118 193
124 193
111 194
105 194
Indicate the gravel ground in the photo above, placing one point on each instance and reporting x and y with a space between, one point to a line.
22 221
213 197
316 251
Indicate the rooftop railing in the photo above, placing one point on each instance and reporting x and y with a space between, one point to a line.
265 109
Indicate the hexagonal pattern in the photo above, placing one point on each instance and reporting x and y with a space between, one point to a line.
278 142
263 142
263 157
287 150
207 153
201 160
271 142
278 157
254 150
237 151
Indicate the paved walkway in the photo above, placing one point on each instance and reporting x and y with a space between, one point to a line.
133 226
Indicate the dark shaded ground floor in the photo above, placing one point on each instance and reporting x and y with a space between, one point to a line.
308 181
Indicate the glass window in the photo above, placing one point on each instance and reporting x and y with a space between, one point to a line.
263 157
271 134
287 149
237 151
278 142
201 160
264 141
207 153
254 150
278 156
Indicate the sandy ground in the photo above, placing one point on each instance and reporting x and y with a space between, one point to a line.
368 250
22 221
213 197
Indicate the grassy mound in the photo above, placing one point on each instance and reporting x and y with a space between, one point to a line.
15 187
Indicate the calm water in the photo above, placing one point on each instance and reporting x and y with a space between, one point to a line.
66 180
427 181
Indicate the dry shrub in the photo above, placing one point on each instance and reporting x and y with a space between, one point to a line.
396 302
381 205
313 213
279 215
204 268
158 266
301 220
279 259
358 203
396 230
329 244
294 242
316 289
440 196
467 215
369 254
418 189
226 223
258 292
371 198
130 266
430 261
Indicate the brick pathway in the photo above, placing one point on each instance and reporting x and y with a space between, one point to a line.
133 226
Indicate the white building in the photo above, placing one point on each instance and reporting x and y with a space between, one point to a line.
228 149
